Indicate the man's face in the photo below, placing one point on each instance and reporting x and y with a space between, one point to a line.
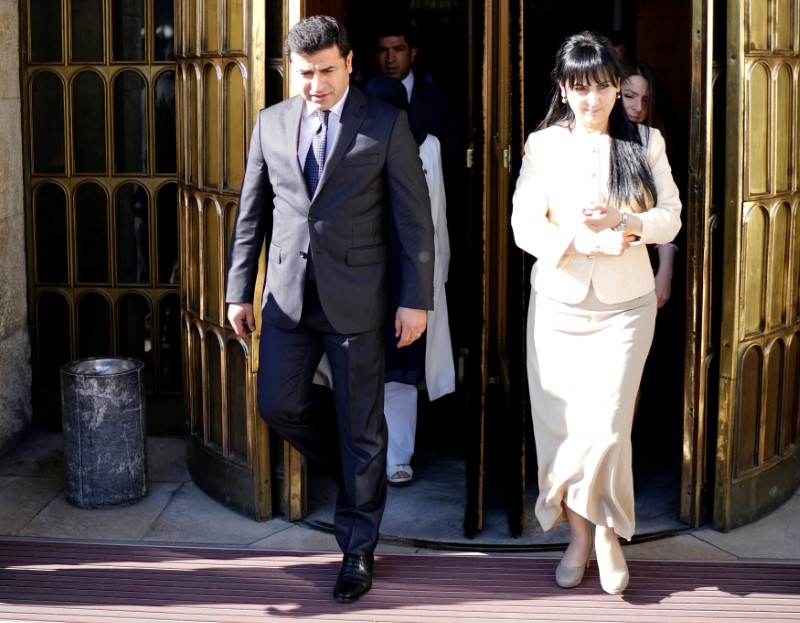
323 76
394 56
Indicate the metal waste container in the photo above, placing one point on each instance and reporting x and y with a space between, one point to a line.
103 421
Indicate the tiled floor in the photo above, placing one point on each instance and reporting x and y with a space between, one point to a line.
176 512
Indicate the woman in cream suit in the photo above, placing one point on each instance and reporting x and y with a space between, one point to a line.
593 190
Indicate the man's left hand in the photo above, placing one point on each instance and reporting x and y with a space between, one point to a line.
409 325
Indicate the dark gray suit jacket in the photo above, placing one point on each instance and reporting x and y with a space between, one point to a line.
372 174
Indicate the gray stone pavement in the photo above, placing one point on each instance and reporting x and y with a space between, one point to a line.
176 512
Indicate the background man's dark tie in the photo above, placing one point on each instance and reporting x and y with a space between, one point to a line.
315 160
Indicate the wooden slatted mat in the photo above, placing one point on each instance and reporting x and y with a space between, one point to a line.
91 583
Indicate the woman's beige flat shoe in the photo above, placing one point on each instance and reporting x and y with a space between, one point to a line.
570 577
614 582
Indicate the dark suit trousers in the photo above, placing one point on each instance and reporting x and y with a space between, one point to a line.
288 359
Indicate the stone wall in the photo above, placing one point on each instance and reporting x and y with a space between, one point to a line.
15 368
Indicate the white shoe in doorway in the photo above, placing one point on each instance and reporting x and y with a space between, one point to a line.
399 475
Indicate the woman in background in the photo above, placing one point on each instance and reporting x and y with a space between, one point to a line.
641 97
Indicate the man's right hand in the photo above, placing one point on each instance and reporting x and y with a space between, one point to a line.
241 317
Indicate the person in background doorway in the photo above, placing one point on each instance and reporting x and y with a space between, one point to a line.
619 39
641 98
326 172
429 110
429 359
593 189
429 114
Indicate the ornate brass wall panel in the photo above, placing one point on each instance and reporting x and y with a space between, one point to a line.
210 127
756 464
99 126
748 413
757 25
757 129
754 265
213 263
778 266
220 87
794 261
783 127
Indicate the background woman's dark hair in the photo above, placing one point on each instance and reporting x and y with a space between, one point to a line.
315 33
655 110
589 57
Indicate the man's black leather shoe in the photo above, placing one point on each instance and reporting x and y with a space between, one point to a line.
355 577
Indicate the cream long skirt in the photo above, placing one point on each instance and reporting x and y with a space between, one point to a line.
585 364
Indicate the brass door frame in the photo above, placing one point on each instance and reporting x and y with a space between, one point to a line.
701 222
500 360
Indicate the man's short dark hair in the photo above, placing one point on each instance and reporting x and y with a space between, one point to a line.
395 28
315 33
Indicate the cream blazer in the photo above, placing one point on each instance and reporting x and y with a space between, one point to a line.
563 172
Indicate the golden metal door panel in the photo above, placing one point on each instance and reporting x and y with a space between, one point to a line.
753 265
214 409
793 274
210 130
214 264
755 155
191 107
235 26
211 24
783 128
235 127
221 76
790 429
756 467
194 354
757 25
193 246
778 267
704 222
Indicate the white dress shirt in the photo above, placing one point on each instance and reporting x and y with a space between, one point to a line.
310 124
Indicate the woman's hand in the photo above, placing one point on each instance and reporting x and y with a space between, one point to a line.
599 216
663 288
605 242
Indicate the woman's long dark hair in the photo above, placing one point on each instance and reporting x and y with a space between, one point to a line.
589 57
655 110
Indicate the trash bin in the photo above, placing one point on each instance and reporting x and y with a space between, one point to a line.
103 422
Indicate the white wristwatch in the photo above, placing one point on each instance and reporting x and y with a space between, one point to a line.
622 223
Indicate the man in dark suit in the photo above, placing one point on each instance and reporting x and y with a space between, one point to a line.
326 290
429 112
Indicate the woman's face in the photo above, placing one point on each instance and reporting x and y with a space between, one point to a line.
591 102
636 98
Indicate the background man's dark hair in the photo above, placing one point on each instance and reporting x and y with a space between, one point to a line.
315 33
395 28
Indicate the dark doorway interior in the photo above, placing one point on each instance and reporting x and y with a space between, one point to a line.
431 510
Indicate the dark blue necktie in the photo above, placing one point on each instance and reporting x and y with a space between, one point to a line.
315 159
